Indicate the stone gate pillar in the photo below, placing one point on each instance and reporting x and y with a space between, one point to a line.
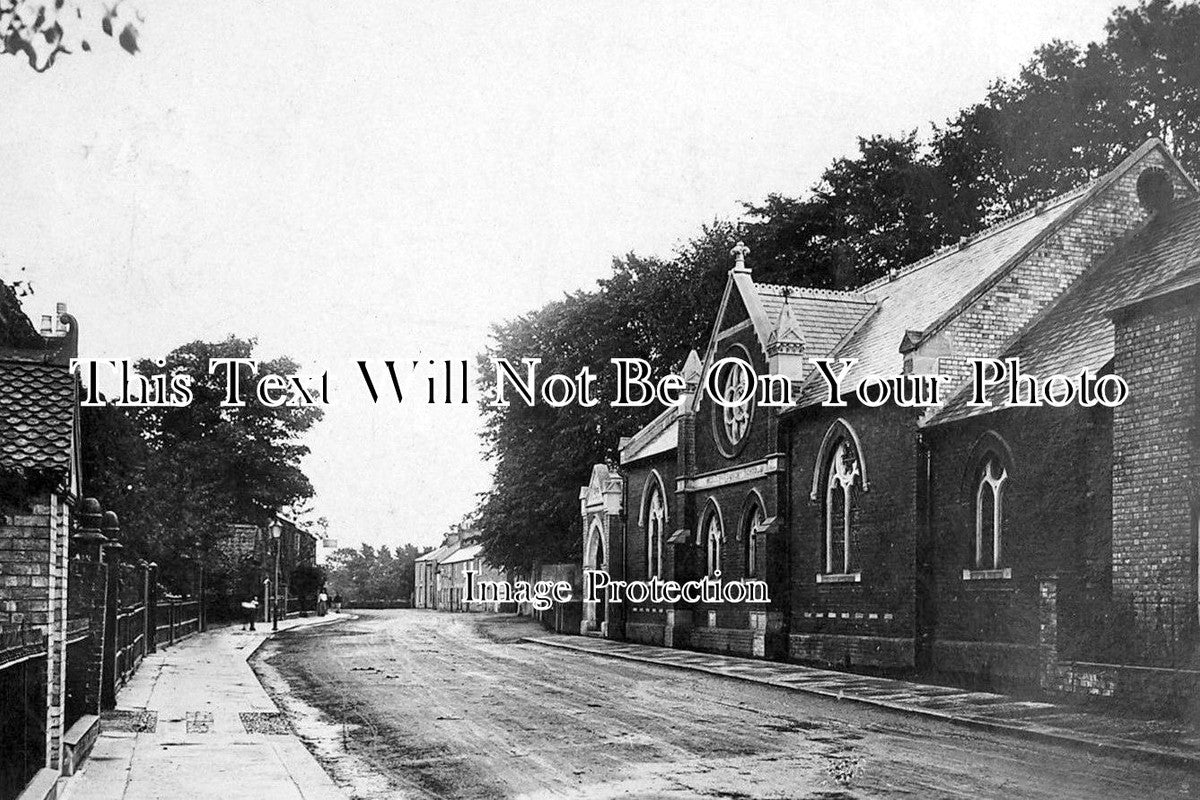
601 509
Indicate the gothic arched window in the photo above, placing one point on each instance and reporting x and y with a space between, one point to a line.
713 534
752 525
840 478
656 523
989 513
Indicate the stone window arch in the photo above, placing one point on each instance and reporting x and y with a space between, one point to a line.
655 524
986 486
753 520
990 480
842 481
712 533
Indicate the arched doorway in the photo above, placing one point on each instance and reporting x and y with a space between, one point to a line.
594 558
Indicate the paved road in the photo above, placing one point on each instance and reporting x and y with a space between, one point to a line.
420 704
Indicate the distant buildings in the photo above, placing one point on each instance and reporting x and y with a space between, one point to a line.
440 576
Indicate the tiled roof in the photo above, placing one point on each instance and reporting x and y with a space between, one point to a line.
825 316
37 416
918 295
1077 333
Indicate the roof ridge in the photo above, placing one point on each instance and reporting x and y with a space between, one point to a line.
794 291
984 233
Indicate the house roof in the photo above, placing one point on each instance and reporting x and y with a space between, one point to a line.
37 416
919 295
1077 332
917 301
463 554
435 555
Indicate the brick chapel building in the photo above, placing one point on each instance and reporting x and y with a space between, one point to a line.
903 539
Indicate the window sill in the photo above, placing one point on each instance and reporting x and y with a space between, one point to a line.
987 574
839 577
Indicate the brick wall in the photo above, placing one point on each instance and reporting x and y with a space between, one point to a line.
870 622
33 585
1056 521
1155 451
1004 308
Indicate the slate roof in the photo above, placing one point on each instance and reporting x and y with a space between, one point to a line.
463 554
37 416
436 555
1077 332
922 293
660 435
825 316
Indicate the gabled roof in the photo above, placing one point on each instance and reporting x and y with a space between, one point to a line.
463 554
661 435
37 417
436 555
918 301
1077 331
825 316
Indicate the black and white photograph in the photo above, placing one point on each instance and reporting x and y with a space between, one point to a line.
732 399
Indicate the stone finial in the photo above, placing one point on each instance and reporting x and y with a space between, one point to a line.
692 368
112 532
739 253
112 525
87 537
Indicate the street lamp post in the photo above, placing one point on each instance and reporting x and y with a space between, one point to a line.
275 529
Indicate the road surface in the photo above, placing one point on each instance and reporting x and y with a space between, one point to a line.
421 704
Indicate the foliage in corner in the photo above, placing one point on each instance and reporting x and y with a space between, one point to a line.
41 29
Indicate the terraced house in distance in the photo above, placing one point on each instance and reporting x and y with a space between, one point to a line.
974 542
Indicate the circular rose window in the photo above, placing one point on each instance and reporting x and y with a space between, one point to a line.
731 424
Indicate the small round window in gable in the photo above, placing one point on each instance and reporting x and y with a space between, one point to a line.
1154 189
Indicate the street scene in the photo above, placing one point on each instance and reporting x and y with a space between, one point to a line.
466 708
676 399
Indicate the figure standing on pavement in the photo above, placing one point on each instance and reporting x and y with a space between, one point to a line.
322 602
337 602
249 612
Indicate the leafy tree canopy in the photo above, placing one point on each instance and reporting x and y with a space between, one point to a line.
41 29
180 476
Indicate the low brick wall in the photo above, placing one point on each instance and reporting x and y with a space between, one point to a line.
1157 690
856 651
996 663
645 633
723 640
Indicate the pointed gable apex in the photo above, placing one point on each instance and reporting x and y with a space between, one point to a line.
787 328
604 490
693 368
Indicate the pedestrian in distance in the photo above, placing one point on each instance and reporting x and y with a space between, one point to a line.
322 602
337 602
249 612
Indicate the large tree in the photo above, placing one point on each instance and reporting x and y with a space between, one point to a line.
180 476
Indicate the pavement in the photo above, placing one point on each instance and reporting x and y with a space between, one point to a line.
1169 741
195 722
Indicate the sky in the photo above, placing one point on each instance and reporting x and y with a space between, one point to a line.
385 179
